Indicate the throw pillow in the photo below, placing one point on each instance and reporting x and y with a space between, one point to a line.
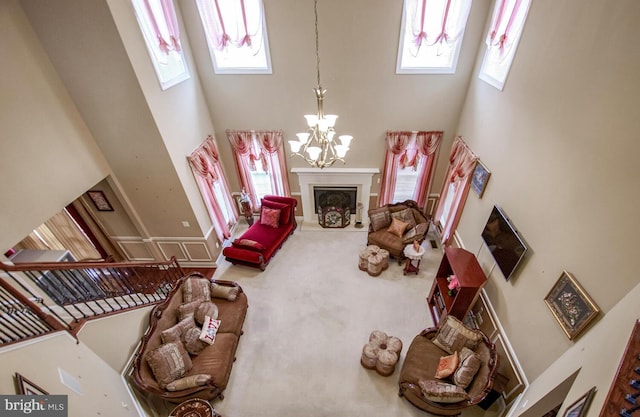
168 362
397 227
453 335
188 309
469 365
406 216
269 217
224 291
285 209
195 288
441 392
248 244
190 381
174 333
205 309
447 366
417 232
380 218
192 342
209 330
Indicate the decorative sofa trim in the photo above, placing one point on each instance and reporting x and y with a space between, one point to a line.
261 241
215 360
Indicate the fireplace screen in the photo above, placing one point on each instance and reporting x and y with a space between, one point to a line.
334 205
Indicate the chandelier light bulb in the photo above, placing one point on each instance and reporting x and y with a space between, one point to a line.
295 146
314 152
346 140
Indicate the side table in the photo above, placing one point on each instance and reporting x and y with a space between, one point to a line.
414 256
194 407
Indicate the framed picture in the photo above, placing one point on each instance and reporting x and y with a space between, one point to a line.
100 200
480 178
571 305
26 387
579 408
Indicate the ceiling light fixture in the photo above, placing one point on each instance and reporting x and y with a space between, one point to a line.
318 141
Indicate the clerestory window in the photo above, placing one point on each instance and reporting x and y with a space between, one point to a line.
236 33
159 26
431 36
502 40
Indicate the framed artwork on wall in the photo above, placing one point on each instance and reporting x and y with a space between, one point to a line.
100 200
570 304
480 178
26 387
580 406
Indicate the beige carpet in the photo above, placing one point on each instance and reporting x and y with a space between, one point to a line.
309 315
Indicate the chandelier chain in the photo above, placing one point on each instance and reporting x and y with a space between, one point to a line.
315 10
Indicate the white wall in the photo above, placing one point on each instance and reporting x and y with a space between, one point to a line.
41 131
102 389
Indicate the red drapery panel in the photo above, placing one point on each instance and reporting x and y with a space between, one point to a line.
205 164
455 188
409 149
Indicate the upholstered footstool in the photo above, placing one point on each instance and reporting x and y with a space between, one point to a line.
381 353
374 260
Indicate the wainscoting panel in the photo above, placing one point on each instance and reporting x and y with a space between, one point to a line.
136 250
197 251
170 249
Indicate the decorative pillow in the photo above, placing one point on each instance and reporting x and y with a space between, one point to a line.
397 227
446 366
419 231
190 381
269 217
380 218
195 288
206 308
406 216
224 291
453 335
174 333
248 244
192 342
285 209
442 392
468 368
209 330
168 362
188 309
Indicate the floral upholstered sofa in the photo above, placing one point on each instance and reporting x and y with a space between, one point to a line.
393 226
179 356
260 242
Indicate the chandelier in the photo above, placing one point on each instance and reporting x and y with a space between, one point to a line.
318 141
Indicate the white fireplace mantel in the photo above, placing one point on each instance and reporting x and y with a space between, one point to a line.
361 178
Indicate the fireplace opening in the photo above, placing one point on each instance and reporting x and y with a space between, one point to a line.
334 196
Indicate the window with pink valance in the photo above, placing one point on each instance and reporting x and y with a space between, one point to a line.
413 152
205 164
261 162
455 189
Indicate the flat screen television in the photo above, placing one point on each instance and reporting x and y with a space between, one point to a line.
504 242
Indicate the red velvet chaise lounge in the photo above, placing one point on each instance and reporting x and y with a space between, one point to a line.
260 242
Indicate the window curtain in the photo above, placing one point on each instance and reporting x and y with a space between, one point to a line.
436 21
205 163
232 23
406 149
506 23
165 27
267 146
455 188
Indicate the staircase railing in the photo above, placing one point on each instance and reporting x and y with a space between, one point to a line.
40 298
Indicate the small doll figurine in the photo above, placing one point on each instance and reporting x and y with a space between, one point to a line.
416 246
453 284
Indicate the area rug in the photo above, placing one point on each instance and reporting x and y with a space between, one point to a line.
310 313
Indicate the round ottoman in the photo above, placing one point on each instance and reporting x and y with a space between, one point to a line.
374 260
381 353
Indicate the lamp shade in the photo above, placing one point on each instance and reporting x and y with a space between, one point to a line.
303 137
295 145
345 139
314 152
